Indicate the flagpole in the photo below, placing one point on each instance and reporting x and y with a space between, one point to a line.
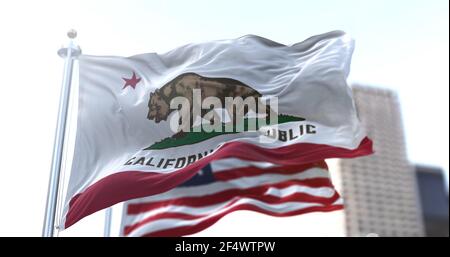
69 53
108 217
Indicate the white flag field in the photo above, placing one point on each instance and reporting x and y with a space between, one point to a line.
148 123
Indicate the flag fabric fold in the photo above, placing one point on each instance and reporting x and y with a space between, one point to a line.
230 185
126 146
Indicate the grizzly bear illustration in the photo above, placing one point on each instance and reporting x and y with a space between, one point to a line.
184 84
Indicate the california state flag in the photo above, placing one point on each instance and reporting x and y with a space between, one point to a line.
149 122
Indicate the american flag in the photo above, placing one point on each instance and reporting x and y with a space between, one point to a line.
229 185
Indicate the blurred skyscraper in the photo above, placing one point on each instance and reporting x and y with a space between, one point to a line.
380 191
434 200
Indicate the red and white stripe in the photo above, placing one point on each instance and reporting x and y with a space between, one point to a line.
241 185
126 185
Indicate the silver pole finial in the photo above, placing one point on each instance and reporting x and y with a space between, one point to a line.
72 34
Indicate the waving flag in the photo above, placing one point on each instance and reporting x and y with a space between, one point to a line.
149 122
229 185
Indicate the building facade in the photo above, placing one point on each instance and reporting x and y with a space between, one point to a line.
434 200
380 191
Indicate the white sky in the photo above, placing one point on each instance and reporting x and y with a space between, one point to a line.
401 44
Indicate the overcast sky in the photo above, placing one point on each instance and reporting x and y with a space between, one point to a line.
402 45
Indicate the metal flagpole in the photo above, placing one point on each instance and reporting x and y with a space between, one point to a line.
108 217
69 53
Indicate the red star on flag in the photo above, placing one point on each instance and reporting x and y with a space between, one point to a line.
132 82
